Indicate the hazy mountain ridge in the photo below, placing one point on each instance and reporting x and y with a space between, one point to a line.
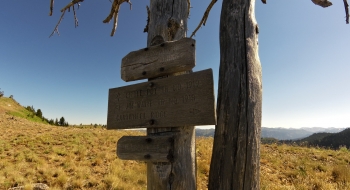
280 133
330 140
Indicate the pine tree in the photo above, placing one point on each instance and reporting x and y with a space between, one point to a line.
62 121
39 113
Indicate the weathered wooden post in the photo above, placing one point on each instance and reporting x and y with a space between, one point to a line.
236 152
169 105
168 22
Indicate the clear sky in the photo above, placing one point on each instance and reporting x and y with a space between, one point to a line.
303 48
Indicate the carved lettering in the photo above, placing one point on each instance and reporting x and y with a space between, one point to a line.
193 84
134 94
162 169
152 91
158 114
188 98
130 116
160 102
177 87
173 100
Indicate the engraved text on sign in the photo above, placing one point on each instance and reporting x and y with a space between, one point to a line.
174 101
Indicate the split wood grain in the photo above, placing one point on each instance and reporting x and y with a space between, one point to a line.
144 148
164 59
175 101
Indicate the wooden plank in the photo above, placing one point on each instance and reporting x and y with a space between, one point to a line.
166 58
175 101
146 148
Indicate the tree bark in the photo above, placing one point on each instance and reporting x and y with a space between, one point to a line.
168 22
236 153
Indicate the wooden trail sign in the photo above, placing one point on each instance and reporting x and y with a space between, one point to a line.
166 58
183 100
146 148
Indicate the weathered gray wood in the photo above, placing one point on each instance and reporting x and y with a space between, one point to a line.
143 148
168 22
174 101
236 152
179 173
166 58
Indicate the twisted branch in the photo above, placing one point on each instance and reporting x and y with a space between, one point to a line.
51 7
55 30
67 7
346 6
75 17
71 4
148 15
189 7
205 17
322 3
114 13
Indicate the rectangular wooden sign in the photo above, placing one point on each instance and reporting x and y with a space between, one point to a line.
145 148
184 100
160 60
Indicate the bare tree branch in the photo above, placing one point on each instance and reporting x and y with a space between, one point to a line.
346 6
189 7
322 3
55 30
51 7
75 18
148 14
71 4
205 17
114 13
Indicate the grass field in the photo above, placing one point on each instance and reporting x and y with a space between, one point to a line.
85 158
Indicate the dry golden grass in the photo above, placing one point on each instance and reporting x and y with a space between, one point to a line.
85 158
64 158
293 167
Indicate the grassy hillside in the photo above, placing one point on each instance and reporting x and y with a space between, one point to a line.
316 137
85 158
337 140
11 107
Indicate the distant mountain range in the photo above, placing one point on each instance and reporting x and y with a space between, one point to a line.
330 140
293 133
280 133
323 137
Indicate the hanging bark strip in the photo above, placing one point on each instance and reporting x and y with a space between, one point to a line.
322 3
189 7
148 13
75 17
51 7
346 6
114 13
67 7
205 17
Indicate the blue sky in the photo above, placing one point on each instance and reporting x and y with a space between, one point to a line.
303 50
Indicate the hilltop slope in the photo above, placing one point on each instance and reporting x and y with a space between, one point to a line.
10 107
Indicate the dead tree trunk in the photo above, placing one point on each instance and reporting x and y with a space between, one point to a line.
236 154
168 22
